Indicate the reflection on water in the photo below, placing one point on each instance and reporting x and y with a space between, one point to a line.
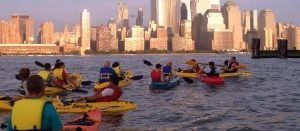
268 100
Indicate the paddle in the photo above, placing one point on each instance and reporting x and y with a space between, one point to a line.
39 64
3 126
87 83
188 80
148 63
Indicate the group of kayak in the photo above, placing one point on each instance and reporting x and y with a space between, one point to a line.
164 77
35 111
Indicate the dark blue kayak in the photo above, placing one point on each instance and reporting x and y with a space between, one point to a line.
165 86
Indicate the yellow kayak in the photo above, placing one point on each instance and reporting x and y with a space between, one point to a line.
76 78
195 76
123 83
107 108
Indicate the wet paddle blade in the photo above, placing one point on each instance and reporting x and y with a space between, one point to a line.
137 77
80 91
148 63
188 80
86 83
39 64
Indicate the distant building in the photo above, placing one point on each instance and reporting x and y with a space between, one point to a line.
219 40
185 8
85 31
267 29
93 40
199 7
293 37
123 15
232 17
186 29
46 35
4 32
254 20
139 19
68 37
105 41
136 42
113 28
246 21
21 29
160 41
182 44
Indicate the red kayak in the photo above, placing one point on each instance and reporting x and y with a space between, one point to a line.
90 121
213 80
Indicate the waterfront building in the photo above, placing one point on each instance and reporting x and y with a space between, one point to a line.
232 18
160 41
293 37
199 7
186 10
246 21
85 31
106 42
21 29
267 29
136 41
46 34
4 32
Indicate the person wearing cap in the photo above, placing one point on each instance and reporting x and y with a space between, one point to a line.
34 112
167 72
156 73
46 73
211 70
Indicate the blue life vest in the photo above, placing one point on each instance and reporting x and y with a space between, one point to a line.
105 74
167 70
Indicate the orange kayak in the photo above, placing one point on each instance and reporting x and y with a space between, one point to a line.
90 121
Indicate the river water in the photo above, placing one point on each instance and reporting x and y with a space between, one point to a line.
268 100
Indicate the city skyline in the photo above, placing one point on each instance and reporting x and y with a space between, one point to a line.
108 10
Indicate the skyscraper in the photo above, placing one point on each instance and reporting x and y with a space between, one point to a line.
232 18
85 31
246 21
139 19
253 18
22 29
47 33
267 29
153 10
4 32
187 4
199 7
123 13
168 14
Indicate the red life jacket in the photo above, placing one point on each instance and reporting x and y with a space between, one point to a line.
114 97
156 76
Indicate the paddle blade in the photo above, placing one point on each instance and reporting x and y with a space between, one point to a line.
80 91
188 80
137 77
18 77
39 64
6 98
86 83
148 63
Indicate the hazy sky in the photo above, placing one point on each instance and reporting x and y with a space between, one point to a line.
68 11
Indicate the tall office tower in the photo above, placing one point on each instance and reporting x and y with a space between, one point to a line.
232 18
267 29
22 29
254 21
46 33
293 36
77 33
246 21
139 19
200 7
113 28
168 15
4 32
85 31
153 10
137 40
215 4
123 15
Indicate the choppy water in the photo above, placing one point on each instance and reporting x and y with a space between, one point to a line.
268 100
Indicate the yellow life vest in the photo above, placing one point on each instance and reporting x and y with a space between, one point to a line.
27 114
44 74
58 74
118 71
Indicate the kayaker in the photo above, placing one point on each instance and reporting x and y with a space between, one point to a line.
60 75
156 73
195 66
107 94
167 72
46 73
34 112
211 70
117 68
24 73
107 74
232 67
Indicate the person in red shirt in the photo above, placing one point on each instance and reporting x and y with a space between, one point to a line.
156 73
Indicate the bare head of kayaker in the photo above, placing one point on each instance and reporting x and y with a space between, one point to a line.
23 74
34 112
211 70
156 73
195 66
232 67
